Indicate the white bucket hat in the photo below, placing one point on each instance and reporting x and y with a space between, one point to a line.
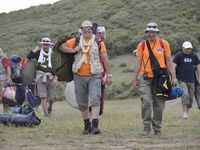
187 44
46 40
86 23
152 26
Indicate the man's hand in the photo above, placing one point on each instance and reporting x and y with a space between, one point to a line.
175 81
77 49
136 83
109 79
37 48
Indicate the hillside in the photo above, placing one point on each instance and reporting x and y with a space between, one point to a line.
125 21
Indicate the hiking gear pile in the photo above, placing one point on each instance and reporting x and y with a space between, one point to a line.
21 116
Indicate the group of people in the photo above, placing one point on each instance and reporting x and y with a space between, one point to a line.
90 58
184 70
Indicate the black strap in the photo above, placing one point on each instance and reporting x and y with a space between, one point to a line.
154 62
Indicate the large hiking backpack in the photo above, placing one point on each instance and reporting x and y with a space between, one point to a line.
16 69
62 62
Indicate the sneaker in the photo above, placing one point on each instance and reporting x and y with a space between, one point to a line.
185 115
95 131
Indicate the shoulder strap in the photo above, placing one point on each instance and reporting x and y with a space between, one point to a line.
160 40
153 60
143 45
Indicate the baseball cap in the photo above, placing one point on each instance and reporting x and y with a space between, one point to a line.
187 44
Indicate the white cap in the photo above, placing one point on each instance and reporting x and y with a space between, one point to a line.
187 44
101 29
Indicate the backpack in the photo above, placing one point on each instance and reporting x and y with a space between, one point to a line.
62 62
16 69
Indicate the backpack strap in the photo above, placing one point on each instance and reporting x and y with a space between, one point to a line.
143 45
160 41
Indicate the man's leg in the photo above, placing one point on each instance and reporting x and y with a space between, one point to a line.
45 105
158 108
146 105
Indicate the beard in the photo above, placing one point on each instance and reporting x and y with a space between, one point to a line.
87 35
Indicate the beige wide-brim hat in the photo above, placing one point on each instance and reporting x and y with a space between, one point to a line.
152 26
86 23
46 40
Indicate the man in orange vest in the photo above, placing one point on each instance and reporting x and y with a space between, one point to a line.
149 102
87 74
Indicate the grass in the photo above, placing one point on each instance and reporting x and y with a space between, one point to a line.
120 124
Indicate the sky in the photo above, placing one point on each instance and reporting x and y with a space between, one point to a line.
12 5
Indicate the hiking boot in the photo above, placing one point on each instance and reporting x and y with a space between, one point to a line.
95 131
49 109
50 106
87 128
146 132
157 132
95 128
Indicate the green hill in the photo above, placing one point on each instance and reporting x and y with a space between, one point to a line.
125 21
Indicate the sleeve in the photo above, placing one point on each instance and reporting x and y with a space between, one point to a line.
197 62
102 47
167 48
71 43
175 60
5 62
139 52
33 55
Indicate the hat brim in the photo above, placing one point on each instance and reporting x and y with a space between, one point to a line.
46 43
152 29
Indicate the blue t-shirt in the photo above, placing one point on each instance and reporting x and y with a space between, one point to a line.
186 66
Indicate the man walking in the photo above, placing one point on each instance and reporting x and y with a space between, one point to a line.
44 77
87 74
150 104
186 65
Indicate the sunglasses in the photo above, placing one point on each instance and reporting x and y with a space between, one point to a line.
152 27
46 41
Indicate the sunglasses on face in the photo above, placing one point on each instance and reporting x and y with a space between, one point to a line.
152 27
46 41
87 29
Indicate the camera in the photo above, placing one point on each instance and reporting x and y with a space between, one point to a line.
145 76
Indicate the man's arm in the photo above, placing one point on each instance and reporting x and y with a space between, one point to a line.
8 73
107 67
137 65
65 49
171 69
198 73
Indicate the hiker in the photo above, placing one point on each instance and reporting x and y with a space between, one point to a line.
186 65
87 69
45 80
5 75
101 33
149 102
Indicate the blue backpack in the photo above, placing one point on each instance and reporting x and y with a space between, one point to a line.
32 99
